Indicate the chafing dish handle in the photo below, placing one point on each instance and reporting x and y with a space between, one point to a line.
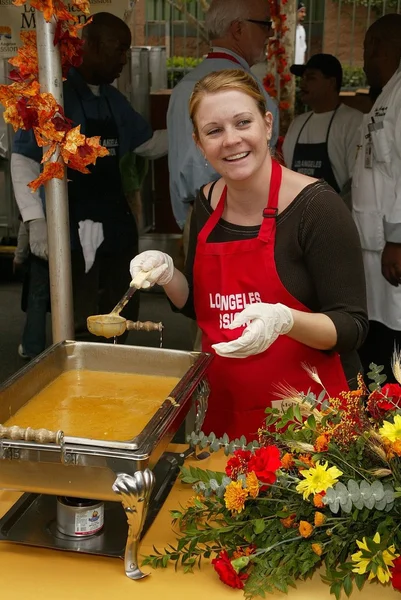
134 491
41 436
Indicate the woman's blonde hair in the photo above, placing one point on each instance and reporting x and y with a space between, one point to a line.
222 81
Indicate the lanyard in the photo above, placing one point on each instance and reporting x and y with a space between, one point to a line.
224 55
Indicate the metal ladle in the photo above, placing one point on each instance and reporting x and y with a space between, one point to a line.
112 325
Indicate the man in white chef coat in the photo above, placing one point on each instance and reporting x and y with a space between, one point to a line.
376 192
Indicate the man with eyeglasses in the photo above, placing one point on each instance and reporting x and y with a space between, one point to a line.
239 33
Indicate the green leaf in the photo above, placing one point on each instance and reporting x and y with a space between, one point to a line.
259 526
347 585
359 580
335 589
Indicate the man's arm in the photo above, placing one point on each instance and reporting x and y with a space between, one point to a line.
25 167
352 137
391 256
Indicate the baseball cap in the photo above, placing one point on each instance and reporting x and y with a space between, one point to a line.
328 64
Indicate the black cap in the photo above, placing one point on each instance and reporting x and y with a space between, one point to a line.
301 5
328 64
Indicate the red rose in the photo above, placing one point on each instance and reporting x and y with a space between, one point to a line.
265 462
396 572
238 464
227 573
392 391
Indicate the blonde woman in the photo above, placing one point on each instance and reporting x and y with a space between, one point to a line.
274 274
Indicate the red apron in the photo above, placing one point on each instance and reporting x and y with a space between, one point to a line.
227 277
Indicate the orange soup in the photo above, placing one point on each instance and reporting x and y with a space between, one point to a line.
96 404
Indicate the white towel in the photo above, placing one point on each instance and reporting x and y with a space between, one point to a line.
90 236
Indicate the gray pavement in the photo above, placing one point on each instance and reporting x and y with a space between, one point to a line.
154 307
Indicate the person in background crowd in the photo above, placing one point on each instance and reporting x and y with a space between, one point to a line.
323 143
300 35
376 192
239 32
103 230
274 275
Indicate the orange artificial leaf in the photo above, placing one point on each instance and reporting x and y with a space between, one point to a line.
62 14
45 6
11 116
73 139
83 5
47 133
50 171
49 152
26 60
19 2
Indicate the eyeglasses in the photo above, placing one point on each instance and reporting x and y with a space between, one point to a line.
267 24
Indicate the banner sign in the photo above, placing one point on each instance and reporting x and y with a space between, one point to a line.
14 19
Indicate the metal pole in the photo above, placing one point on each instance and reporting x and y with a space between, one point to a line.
58 225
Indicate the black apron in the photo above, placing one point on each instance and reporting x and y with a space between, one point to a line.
99 196
313 159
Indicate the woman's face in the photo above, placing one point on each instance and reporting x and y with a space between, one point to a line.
233 135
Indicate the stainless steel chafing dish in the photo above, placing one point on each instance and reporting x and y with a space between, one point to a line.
43 462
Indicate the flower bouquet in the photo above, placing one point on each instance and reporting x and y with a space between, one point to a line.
320 488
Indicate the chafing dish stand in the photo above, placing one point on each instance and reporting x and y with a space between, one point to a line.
132 478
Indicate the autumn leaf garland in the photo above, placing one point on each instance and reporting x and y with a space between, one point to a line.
26 107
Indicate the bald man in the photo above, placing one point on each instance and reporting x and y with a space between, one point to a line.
104 234
376 193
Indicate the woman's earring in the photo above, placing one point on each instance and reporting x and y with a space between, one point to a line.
206 163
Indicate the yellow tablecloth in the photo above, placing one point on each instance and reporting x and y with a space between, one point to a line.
29 572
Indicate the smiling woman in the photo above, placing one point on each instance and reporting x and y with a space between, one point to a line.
274 271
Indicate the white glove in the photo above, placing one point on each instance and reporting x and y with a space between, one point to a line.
38 238
267 322
159 265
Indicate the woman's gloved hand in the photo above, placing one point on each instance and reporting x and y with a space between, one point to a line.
159 265
266 323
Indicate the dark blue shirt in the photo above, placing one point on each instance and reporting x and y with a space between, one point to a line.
133 129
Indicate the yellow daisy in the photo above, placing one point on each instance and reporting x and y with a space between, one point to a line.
365 563
392 431
235 496
318 479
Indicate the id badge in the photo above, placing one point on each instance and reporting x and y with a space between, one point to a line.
368 154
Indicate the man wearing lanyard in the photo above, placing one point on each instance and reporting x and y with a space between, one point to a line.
376 193
239 32
323 143
103 230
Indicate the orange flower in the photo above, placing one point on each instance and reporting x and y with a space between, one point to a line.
306 459
305 529
317 549
322 443
252 484
320 519
239 552
317 500
288 522
235 496
396 446
287 462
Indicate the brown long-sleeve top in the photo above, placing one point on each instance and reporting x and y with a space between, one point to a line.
318 258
